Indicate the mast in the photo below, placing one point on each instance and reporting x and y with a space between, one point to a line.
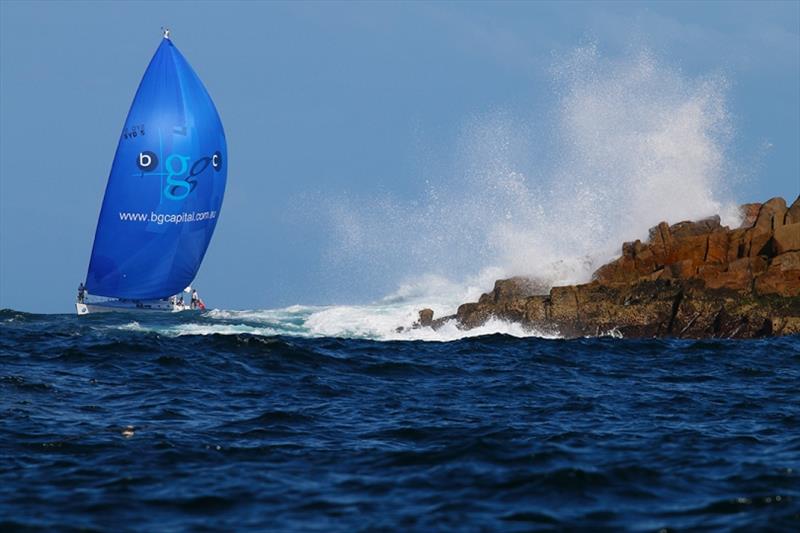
166 186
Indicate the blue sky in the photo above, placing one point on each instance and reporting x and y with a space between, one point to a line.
330 105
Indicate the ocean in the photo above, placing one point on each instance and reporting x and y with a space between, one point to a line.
255 421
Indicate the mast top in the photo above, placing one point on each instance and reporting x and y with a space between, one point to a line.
166 32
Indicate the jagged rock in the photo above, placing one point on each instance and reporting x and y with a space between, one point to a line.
759 237
513 288
782 277
788 261
771 214
717 247
563 303
536 309
687 228
749 214
425 317
691 279
787 238
793 213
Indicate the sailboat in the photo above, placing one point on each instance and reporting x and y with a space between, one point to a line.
163 196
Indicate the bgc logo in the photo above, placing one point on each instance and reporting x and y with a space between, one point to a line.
181 176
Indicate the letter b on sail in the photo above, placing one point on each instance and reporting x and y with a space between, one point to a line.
147 161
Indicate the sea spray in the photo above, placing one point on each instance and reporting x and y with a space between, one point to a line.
624 144
630 142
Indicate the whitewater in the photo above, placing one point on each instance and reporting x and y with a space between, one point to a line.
627 142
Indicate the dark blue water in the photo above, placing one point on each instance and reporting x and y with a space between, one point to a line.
104 426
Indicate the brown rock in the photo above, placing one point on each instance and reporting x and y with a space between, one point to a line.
688 228
679 242
779 281
787 325
683 269
691 279
692 249
759 240
645 259
536 308
753 265
782 277
623 270
628 250
787 261
426 317
787 238
749 214
661 273
708 271
793 213
518 287
563 303
738 243
660 241
738 277
717 247
472 315
771 214
515 310
734 280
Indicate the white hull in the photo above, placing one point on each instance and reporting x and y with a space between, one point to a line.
110 306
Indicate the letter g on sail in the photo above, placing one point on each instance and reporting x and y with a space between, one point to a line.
177 189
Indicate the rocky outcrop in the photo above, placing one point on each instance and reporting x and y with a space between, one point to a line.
690 279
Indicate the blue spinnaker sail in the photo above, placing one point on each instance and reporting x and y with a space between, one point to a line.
165 190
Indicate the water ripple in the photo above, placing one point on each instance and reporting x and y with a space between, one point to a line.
109 420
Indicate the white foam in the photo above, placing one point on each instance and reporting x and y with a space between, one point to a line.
379 321
630 142
204 329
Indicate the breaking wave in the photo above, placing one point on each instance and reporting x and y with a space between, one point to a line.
380 321
626 144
